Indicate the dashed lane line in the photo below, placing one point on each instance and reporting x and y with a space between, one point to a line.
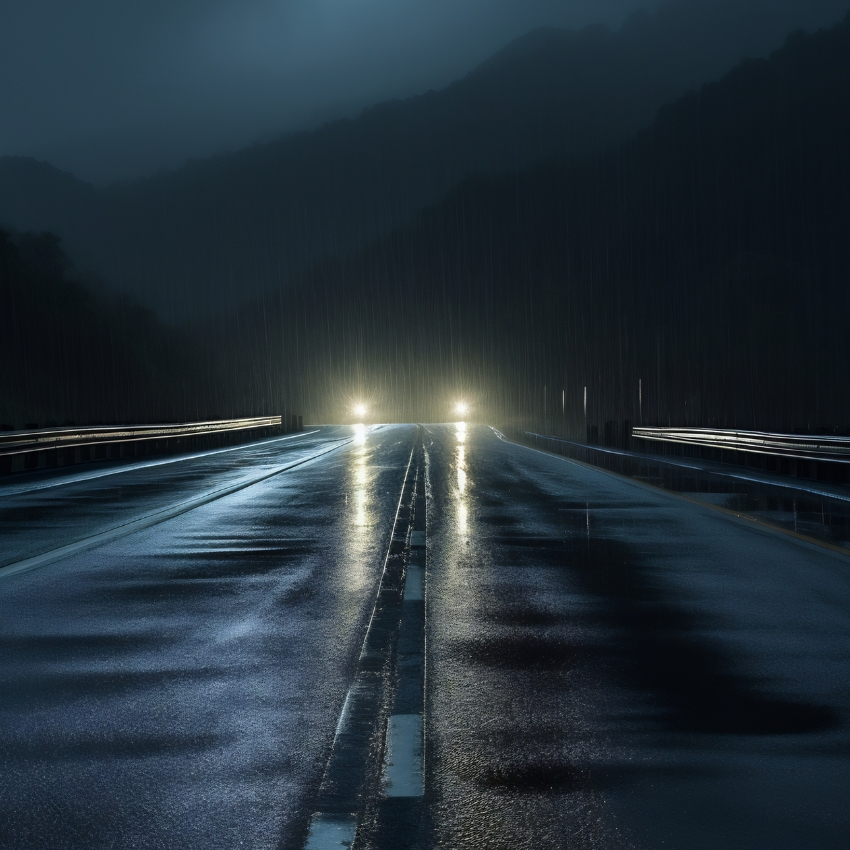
352 774
403 756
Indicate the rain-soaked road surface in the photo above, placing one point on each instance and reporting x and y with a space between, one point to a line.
607 665
179 686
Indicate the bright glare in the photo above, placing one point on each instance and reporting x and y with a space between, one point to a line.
461 408
461 470
360 409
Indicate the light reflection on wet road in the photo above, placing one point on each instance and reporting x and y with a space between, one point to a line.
180 687
614 667
608 666
45 511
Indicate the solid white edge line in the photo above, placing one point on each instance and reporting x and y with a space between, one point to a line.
134 467
343 715
150 520
751 522
666 461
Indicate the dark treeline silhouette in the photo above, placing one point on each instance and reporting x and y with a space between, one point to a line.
72 354
708 259
696 274
215 232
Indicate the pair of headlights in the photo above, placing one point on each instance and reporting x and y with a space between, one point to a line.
461 408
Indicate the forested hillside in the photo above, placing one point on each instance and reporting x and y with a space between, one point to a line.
707 258
72 353
224 230
696 274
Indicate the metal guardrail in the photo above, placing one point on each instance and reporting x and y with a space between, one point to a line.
799 446
21 442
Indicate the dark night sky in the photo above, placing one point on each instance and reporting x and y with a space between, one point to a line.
114 90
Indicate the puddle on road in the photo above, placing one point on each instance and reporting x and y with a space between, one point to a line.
657 643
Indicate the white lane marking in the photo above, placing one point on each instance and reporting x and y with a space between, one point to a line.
328 832
747 520
343 715
403 756
417 538
322 835
413 584
151 519
800 486
14 490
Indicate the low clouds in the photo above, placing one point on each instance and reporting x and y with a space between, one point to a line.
113 90
110 90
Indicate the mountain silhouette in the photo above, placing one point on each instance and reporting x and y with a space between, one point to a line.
706 258
223 230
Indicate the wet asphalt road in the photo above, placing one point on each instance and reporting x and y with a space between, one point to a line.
607 666
180 687
611 666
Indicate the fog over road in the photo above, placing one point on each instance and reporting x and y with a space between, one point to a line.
607 665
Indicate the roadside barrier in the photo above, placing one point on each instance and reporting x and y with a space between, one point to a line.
65 446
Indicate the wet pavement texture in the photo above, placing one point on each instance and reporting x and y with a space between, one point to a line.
607 665
180 687
813 508
612 666
44 511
